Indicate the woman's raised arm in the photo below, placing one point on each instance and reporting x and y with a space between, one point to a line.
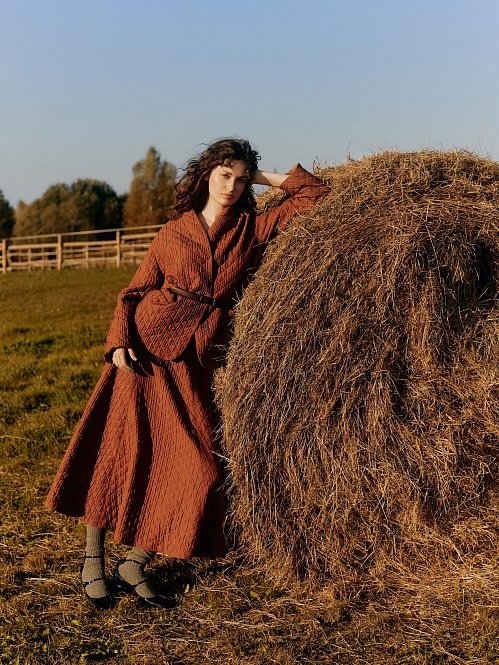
304 190
268 178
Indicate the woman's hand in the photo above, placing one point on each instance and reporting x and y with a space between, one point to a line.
268 178
121 358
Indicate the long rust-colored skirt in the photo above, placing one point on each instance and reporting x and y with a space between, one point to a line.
143 460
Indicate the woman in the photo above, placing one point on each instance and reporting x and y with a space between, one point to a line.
143 460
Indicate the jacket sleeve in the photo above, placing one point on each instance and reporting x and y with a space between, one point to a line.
304 189
148 277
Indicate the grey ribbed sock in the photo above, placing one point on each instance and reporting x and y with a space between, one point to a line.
93 567
132 571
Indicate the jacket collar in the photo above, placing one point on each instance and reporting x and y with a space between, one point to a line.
189 226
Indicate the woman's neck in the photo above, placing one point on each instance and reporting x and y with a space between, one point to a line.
209 213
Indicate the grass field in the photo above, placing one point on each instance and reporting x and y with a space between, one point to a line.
52 329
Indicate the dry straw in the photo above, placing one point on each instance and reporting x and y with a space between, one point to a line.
360 396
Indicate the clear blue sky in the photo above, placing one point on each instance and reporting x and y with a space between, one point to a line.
88 85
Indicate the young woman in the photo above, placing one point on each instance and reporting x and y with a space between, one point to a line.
143 460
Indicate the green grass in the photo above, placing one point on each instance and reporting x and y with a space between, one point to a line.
52 330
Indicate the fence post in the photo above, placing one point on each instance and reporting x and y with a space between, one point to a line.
59 251
4 255
118 249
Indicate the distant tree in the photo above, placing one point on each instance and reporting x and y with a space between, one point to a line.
84 205
20 208
7 217
94 205
152 191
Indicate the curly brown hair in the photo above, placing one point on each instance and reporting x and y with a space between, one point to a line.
192 188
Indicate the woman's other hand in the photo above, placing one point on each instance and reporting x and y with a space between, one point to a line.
123 358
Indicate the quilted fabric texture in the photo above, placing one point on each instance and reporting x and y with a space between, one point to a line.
143 460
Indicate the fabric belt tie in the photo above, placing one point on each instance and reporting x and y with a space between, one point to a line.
206 300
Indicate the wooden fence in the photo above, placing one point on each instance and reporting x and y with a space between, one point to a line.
113 247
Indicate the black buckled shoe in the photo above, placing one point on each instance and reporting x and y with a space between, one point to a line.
106 602
122 585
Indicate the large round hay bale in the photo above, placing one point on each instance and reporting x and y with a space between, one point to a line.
360 400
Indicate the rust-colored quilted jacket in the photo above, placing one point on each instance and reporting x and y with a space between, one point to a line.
183 255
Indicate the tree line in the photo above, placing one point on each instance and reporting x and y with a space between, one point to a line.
87 205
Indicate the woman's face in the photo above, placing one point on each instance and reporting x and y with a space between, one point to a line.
226 183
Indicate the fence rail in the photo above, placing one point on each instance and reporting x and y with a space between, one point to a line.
112 247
